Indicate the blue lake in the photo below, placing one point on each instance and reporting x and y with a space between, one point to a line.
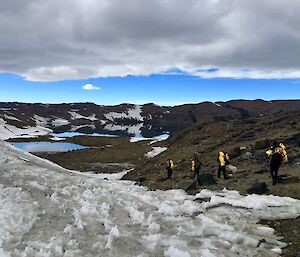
34 147
72 134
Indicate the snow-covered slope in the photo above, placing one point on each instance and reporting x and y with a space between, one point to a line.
10 131
49 211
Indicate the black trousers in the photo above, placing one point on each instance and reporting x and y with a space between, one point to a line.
274 174
196 173
169 173
222 169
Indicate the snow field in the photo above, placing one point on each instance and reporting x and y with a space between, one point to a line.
49 211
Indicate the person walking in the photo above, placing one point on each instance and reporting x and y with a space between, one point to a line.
276 160
222 159
170 168
196 165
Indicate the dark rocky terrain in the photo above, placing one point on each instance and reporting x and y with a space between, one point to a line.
153 119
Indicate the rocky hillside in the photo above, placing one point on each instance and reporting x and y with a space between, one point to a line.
18 119
245 138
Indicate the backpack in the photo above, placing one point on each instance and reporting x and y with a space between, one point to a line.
172 165
197 164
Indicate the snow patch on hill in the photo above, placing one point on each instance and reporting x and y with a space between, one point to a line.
40 121
76 116
134 114
8 117
8 131
59 122
135 130
155 151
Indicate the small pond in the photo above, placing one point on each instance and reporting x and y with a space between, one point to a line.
34 147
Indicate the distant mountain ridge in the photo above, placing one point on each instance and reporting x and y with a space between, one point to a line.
127 119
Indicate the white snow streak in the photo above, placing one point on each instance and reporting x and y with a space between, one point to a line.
75 116
155 151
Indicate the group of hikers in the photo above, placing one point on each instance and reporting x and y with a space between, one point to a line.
277 154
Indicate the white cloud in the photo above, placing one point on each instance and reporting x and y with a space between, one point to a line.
90 87
140 37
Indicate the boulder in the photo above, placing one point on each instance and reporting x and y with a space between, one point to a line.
247 156
234 152
206 179
258 188
231 168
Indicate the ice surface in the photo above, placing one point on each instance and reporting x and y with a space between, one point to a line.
49 211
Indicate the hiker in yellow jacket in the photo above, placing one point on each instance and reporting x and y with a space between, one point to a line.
170 168
222 164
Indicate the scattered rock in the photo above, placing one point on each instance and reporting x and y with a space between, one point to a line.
234 152
258 188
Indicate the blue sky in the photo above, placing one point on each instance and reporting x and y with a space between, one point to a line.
208 50
160 89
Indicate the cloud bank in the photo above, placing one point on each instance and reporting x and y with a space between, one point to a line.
55 40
